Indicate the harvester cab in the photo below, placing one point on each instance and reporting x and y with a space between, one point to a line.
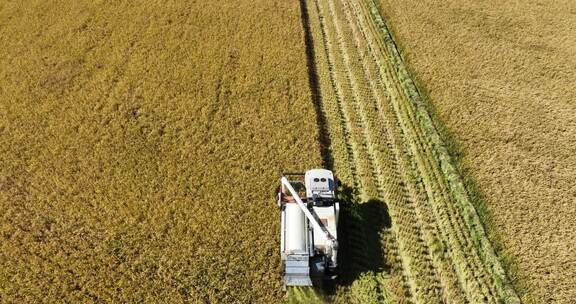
309 222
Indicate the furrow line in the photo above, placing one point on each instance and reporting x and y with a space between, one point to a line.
427 285
394 90
477 265
423 211
342 86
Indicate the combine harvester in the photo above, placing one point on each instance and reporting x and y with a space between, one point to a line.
309 222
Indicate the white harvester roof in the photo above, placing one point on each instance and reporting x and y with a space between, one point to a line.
319 182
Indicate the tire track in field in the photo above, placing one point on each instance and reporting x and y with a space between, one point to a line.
384 146
414 251
395 138
356 227
473 258
357 245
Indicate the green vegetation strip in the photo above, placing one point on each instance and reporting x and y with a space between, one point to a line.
382 162
401 161
385 149
446 216
455 185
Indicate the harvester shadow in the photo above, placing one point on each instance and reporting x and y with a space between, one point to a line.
361 248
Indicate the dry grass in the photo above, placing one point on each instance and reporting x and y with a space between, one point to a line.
140 144
501 77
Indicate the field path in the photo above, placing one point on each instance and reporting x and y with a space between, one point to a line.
411 233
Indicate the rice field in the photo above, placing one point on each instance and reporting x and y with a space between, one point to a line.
500 76
141 143
140 146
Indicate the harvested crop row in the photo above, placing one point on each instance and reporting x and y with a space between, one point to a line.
393 92
361 132
360 106
499 75
487 275
434 153
386 115
421 199
344 162
483 287
386 138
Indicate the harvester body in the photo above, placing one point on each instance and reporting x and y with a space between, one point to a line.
309 224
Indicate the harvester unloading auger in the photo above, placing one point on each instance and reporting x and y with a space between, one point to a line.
309 222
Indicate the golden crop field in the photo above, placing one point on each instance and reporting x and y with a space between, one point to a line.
500 76
140 146
141 143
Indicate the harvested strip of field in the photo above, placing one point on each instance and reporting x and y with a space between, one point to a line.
140 145
385 148
500 75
